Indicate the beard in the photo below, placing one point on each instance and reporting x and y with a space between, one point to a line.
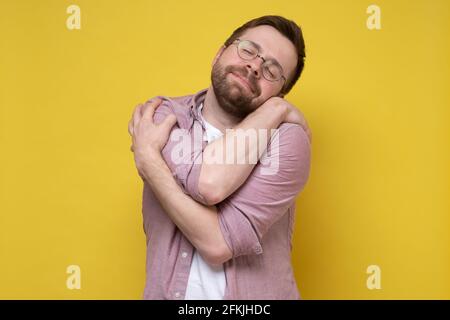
232 97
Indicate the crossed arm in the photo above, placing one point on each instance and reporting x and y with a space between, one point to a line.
199 222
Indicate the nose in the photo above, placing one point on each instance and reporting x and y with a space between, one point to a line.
254 67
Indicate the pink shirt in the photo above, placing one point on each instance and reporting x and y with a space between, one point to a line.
257 220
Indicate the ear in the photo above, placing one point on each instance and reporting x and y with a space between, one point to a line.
218 54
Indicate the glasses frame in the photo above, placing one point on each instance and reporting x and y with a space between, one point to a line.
239 41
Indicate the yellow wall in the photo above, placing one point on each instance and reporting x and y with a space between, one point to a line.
376 101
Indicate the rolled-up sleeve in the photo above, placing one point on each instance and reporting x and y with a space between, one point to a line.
265 197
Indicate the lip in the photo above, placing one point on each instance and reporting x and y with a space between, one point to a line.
243 80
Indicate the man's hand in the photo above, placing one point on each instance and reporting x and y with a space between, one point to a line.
148 138
293 115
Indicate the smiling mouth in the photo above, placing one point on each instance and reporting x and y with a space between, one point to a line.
243 81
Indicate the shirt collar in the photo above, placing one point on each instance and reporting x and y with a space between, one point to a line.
197 99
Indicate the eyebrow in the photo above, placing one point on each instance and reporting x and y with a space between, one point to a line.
270 59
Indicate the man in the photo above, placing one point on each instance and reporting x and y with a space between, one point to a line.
221 229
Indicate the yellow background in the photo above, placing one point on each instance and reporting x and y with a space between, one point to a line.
377 103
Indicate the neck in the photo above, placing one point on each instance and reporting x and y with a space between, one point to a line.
215 115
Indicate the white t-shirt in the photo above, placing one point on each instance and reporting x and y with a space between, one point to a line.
206 282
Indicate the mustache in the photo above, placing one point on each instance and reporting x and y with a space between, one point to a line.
243 72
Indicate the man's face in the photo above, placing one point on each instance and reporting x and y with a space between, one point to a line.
239 85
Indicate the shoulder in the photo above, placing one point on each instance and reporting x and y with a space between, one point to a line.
179 106
288 154
291 138
173 104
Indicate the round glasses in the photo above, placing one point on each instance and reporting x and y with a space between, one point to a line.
271 69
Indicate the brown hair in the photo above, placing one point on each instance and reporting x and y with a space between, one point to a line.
286 27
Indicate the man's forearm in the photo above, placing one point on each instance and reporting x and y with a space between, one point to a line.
218 180
199 223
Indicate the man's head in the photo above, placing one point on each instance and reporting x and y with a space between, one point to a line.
261 59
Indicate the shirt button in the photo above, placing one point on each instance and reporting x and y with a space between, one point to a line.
184 254
177 294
